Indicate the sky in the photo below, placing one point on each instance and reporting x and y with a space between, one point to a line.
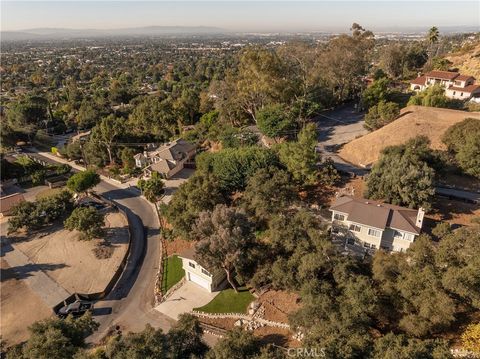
231 15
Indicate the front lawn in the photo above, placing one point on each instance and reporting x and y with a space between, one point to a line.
172 272
227 301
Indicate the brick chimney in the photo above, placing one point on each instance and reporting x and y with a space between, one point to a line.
420 215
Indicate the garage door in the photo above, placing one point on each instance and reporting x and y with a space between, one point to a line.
199 280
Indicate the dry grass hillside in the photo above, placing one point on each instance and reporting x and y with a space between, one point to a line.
414 121
467 60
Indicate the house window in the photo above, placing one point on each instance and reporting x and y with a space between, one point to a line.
204 271
408 236
366 245
374 246
339 217
397 234
355 228
191 264
461 94
374 232
454 92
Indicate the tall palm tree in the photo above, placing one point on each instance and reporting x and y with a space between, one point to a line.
432 35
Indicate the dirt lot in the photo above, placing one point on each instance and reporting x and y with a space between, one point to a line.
19 306
279 304
178 245
416 120
80 270
454 212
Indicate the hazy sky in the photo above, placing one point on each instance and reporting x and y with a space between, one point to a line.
239 15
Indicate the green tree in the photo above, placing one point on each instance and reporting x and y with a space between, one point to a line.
393 346
462 140
434 96
185 338
152 188
238 344
200 193
83 181
58 339
381 114
402 175
433 35
106 132
86 220
376 92
300 157
224 238
233 166
268 192
274 121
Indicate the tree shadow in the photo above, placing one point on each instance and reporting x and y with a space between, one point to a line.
27 270
277 339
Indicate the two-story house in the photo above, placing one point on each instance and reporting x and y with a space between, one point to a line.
199 274
376 225
167 159
460 87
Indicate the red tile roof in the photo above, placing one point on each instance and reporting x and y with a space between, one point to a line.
468 89
464 77
444 75
419 81
8 202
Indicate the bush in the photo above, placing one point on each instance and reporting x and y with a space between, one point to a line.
381 114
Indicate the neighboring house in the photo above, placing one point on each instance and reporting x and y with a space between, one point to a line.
460 87
376 225
195 272
167 159
7 202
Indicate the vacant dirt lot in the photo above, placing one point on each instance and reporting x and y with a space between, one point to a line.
76 267
416 120
19 306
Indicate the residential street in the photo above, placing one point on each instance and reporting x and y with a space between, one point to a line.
337 127
130 303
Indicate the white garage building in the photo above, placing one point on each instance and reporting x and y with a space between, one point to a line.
196 273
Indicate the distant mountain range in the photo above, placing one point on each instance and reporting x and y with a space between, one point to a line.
66 34
55 33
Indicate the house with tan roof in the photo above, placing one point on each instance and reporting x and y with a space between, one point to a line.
375 225
460 87
167 160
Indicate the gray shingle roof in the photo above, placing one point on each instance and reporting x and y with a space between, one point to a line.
376 214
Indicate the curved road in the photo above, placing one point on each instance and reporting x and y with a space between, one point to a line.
130 303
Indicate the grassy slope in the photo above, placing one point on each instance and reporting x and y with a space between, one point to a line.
227 301
173 272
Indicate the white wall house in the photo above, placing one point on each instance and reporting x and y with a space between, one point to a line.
375 225
196 273
460 87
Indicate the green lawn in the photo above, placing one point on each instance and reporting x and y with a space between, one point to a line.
227 301
48 192
172 272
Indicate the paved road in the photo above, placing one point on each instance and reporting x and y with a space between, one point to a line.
337 127
130 304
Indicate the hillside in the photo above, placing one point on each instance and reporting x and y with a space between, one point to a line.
414 121
467 60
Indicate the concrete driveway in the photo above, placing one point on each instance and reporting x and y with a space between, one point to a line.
184 299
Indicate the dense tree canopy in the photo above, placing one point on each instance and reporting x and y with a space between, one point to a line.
83 181
403 176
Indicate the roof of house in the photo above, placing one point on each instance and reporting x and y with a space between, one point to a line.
8 202
444 75
376 214
464 77
138 156
191 254
162 166
175 150
419 80
468 89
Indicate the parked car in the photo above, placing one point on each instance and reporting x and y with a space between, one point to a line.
77 308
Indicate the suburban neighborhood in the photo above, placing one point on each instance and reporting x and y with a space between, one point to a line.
191 192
